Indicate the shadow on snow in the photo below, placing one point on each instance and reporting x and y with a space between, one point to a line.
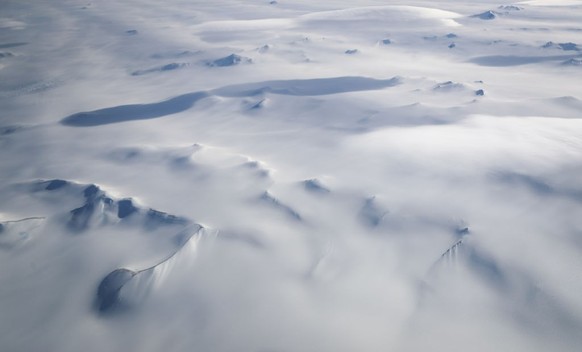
307 87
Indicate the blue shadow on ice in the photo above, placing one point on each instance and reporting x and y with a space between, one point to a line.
512 60
306 87
11 45
133 112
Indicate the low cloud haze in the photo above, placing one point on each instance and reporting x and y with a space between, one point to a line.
279 176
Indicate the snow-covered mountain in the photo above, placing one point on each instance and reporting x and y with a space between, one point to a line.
290 176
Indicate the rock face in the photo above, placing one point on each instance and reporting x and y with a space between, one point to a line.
96 205
230 60
448 86
55 184
314 186
487 15
99 208
568 46
109 298
125 208
371 214
109 288
510 8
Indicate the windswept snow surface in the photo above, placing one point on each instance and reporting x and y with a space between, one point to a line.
220 176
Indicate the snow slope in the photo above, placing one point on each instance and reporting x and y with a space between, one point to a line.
290 176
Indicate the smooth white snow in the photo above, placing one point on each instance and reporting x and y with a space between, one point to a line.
290 176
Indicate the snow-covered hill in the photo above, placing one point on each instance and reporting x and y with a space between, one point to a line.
290 176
